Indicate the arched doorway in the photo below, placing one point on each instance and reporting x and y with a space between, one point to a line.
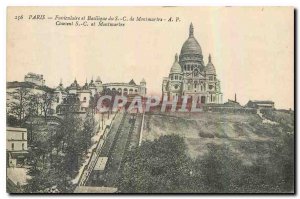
202 99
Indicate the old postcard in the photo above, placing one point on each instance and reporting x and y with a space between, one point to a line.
150 100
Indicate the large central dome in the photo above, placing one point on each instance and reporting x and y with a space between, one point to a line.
191 45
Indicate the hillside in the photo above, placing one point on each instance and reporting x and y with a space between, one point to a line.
242 133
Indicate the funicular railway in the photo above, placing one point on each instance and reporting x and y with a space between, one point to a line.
107 170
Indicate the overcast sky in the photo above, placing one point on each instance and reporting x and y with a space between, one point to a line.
252 48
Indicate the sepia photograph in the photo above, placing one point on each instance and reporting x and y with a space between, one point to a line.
147 100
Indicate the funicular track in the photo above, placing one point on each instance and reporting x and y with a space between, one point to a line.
111 139
116 154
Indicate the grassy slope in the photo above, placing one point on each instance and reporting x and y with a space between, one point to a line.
243 134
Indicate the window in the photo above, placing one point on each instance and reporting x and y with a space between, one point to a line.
176 77
23 146
12 146
84 99
210 78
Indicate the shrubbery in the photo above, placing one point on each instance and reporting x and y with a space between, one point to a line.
163 166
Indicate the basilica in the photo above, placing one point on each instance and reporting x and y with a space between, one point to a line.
189 76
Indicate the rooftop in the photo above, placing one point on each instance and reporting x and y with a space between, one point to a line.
16 129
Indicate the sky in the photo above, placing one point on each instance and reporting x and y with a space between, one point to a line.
252 48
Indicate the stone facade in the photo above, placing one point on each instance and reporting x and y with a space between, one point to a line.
84 94
190 76
16 146
35 78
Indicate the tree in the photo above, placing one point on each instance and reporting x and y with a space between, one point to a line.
33 105
19 103
46 101
88 130
11 120
71 138
158 166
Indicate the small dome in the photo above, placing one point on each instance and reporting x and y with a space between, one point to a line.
75 85
91 84
191 45
210 68
143 81
176 68
60 87
85 87
98 79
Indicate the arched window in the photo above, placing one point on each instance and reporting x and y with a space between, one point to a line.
84 99
125 91
119 90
